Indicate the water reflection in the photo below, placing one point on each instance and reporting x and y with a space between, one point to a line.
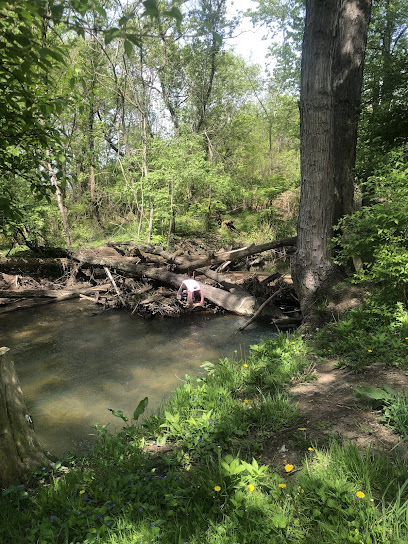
74 364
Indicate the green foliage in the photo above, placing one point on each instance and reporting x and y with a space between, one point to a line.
375 332
378 233
394 404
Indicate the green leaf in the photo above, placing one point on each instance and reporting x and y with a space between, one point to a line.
151 8
372 393
134 39
128 48
111 34
118 413
280 521
141 407
217 38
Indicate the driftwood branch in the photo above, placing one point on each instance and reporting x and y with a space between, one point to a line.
235 254
259 310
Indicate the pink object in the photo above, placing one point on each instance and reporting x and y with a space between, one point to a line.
190 291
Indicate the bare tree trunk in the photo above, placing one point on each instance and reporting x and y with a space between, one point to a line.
332 70
149 233
171 221
61 205
20 451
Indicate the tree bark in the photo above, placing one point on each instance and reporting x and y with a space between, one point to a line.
332 70
20 450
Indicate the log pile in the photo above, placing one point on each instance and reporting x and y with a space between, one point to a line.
145 279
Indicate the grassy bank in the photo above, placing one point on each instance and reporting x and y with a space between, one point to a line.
192 474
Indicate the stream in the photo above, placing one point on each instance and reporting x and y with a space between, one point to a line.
75 362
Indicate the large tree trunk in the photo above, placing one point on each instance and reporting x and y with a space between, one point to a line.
332 70
20 451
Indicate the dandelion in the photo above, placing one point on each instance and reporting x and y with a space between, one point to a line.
217 488
282 486
406 338
370 350
310 449
301 428
288 468
251 487
82 491
360 494
275 343
246 401
245 365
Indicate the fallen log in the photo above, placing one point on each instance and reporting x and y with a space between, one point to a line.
185 264
31 264
241 304
46 299
222 256
51 293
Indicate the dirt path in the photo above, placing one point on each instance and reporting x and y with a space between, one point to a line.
330 409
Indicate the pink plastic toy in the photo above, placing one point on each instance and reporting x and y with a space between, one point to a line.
190 292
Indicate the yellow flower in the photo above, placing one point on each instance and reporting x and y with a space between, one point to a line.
370 350
245 365
277 342
360 494
406 338
217 488
301 428
288 468
282 486
251 487
82 491
246 401
310 449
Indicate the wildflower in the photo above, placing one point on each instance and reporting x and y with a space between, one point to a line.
282 486
82 491
406 338
140 509
301 428
98 516
210 422
360 494
53 518
251 487
217 488
310 449
245 365
246 401
370 350
275 343
288 468
79 512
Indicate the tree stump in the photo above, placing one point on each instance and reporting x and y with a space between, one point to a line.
20 451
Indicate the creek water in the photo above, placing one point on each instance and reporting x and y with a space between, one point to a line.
75 362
